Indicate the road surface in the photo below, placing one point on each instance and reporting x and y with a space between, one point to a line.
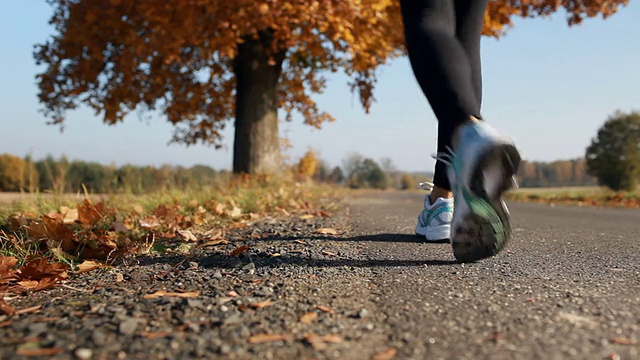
566 287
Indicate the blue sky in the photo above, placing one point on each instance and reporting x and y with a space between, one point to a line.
548 86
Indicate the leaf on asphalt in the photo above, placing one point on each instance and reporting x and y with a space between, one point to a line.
232 294
38 285
154 335
308 318
30 351
6 323
386 354
187 235
214 243
262 304
239 250
327 231
324 309
328 253
119 277
320 342
88 265
306 217
622 341
263 338
29 310
5 308
162 293
300 242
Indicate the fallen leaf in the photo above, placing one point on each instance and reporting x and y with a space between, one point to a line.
40 268
329 253
306 217
28 310
187 235
5 308
622 341
7 274
6 323
324 309
162 293
154 335
47 319
239 250
386 354
232 294
300 242
89 214
263 338
308 318
235 212
119 277
35 285
327 231
613 356
27 351
138 209
214 243
70 215
88 265
320 342
262 304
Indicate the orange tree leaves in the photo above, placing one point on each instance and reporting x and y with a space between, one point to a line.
176 56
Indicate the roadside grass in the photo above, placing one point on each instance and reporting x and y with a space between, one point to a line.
72 228
577 195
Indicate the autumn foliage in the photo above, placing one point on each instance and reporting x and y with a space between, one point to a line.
201 62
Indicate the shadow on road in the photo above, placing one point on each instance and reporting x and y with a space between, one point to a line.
315 257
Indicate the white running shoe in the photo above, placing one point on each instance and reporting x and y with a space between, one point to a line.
434 222
480 171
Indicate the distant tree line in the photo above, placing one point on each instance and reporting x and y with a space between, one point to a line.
556 173
61 175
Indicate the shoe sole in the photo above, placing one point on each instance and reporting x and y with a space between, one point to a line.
484 232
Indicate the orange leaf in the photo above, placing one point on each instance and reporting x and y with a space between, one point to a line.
327 231
387 354
162 293
88 265
239 250
39 268
263 338
308 318
5 308
262 304
622 341
324 309
89 214
38 352
155 335
29 310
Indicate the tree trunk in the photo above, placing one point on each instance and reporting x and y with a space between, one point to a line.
256 148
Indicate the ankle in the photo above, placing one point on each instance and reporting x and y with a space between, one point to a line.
438 192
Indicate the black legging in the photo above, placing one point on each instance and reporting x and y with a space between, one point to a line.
443 41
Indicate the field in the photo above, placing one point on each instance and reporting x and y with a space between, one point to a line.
577 195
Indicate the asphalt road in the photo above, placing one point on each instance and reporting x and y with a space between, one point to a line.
567 285
358 285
